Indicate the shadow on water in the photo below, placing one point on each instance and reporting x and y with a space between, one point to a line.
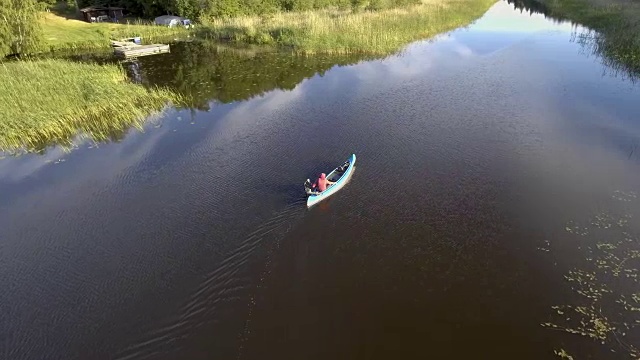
206 72
612 37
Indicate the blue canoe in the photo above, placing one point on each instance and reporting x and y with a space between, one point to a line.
339 175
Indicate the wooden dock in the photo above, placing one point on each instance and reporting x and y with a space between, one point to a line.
129 49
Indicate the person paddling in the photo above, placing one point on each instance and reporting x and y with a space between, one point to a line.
322 183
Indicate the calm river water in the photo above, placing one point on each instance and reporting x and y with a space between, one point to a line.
483 157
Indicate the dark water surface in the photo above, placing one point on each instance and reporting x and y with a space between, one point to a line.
191 240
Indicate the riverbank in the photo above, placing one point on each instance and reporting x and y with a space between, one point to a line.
52 101
349 31
319 31
616 22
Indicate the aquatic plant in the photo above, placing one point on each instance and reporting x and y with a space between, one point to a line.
50 101
563 354
607 306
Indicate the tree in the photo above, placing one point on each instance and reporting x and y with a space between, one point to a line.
20 29
77 7
188 8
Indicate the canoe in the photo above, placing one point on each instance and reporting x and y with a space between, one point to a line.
339 175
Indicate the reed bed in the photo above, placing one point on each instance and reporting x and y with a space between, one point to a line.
349 31
46 102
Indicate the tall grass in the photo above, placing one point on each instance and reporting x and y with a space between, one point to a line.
349 31
47 102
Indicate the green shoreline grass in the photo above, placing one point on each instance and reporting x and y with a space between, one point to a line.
51 101
617 23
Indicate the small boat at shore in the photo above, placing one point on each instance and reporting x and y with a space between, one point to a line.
339 176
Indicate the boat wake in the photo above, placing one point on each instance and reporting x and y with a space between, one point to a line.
230 282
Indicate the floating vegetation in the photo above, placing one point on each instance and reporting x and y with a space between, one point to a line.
606 221
607 306
546 247
578 230
47 102
563 354
624 196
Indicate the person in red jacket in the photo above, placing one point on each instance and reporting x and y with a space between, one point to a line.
322 183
